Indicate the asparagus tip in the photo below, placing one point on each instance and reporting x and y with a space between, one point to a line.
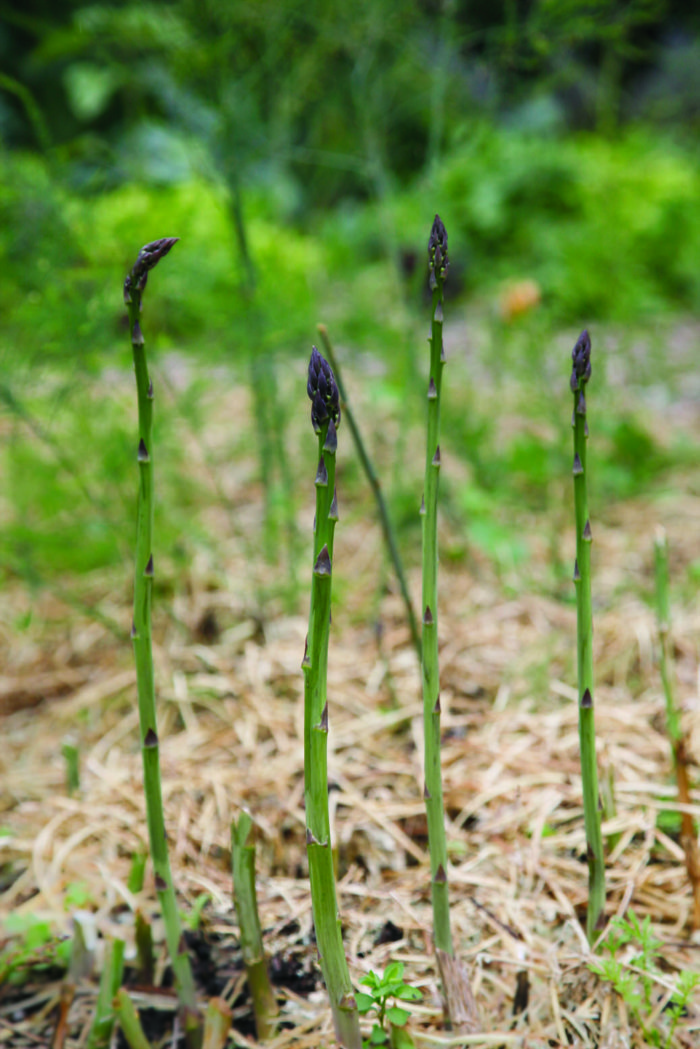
581 357
323 392
438 260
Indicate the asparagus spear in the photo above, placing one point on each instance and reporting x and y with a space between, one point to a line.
246 902
438 264
134 286
325 417
581 373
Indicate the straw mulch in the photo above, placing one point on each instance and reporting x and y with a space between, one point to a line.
230 708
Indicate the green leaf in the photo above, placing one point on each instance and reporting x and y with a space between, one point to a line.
370 980
393 971
378 1036
397 1016
365 1002
409 994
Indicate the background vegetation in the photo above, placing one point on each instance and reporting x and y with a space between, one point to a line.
300 152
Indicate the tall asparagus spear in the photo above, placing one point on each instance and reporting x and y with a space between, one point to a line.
325 417
438 264
134 286
581 373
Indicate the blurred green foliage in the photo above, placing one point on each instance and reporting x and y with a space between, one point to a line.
300 152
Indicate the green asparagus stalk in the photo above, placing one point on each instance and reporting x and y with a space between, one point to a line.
375 484
71 755
110 982
129 1021
134 286
245 899
438 264
325 417
689 838
580 375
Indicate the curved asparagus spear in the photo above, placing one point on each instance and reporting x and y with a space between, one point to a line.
325 417
134 286
438 265
580 375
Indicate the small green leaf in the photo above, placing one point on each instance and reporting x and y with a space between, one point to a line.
378 1036
397 1016
409 994
393 972
365 1002
370 980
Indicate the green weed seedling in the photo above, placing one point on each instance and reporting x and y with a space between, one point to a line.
636 977
380 999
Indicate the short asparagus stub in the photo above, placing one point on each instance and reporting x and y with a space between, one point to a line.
134 286
438 264
246 902
325 417
580 375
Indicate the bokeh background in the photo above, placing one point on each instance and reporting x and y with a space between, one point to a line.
300 152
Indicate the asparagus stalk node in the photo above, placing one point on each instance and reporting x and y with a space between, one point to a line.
438 264
245 899
581 373
325 417
689 839
134 286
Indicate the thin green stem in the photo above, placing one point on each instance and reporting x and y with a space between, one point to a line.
584 624
663 616
130 1022
245 900
327 923
143 654
434 804
376 486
